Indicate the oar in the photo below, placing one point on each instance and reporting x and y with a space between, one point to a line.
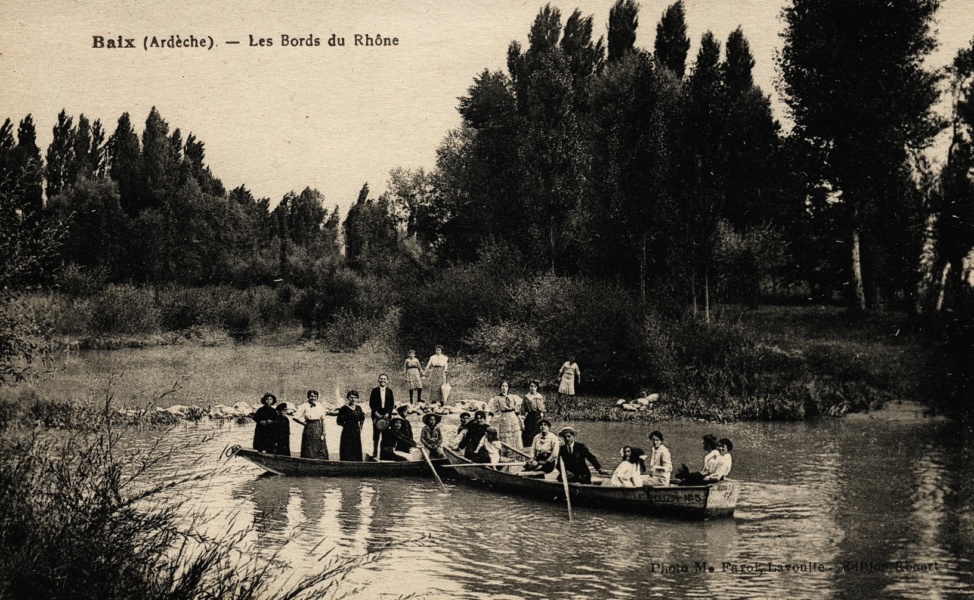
498 464
564 481
513 449
432 468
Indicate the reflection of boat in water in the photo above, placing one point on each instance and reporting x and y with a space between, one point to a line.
316 467
690 501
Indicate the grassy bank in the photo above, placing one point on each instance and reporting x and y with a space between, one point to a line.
771 363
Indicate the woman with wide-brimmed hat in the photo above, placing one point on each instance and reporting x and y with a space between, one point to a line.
431 436
264 431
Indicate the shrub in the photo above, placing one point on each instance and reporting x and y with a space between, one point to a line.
124 310
556 317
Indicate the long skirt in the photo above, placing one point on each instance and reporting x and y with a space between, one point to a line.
435 379
313 441
508 428
530 428
413 379
350 447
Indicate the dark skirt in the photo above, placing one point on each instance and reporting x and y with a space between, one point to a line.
530 428
313 441
282 437
350 445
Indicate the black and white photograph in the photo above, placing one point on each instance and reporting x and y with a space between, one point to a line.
491 299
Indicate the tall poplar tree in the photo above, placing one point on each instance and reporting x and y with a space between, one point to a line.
672 44
854 80
623 22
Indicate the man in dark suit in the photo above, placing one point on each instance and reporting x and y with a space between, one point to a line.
383 403
574 454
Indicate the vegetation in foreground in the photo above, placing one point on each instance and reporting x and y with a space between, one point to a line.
82 518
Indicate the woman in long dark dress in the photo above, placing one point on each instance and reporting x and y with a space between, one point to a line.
350 419
282 431
533 408
265 417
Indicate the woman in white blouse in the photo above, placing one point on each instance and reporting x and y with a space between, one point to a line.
660 464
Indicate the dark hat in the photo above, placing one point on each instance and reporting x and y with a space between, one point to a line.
565 430
282 406
266 396
431 417
402 410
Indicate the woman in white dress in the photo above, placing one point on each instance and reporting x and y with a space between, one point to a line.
436 368
629 473
568 375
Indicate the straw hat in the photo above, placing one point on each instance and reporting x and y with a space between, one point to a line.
565 430
381 424
431 417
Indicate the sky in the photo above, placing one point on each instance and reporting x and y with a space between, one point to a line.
279 118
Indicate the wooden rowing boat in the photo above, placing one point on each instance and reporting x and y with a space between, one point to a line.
314 467
689 501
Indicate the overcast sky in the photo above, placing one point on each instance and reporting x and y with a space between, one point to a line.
283 118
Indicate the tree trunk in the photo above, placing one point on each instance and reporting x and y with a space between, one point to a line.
642 272
551 243
706 297
858 289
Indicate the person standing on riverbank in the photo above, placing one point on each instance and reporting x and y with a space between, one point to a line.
436 369
350 419
265 417
414 376
313 444
382 403
568 377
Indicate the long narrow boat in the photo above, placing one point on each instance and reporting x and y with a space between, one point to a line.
315 467
689 501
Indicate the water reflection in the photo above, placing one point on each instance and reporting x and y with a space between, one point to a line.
829 493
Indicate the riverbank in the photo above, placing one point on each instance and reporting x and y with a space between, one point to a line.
818 362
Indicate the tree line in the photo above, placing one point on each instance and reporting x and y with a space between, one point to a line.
590 164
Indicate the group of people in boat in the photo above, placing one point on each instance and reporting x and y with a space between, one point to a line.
509 426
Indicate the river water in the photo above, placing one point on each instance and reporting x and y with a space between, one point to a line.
829 509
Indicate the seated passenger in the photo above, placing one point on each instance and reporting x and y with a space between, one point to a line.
574 455
395 444
710 447
722 464
544 449
629 473
489 449
473 434
660 464
431 436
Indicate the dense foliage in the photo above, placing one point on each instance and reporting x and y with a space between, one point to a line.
590 173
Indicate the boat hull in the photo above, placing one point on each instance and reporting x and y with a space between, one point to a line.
313 467
692 502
